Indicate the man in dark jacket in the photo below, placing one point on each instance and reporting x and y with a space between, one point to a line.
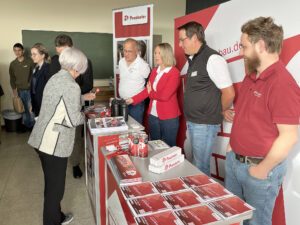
85 82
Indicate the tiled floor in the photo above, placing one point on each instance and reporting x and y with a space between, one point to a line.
21 186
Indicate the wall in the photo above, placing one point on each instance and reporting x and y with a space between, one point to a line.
81 16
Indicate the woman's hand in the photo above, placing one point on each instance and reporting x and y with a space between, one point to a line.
89 96
129 101
149 89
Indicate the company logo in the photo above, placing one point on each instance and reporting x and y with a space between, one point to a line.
257 94
134 18
136 15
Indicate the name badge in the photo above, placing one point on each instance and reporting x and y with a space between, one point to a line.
195 73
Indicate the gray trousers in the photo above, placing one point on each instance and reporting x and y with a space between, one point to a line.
78 150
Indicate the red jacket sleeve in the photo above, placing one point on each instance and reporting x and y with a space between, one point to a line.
140 96
167 87
144 93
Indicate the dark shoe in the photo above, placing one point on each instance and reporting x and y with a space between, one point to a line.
68 219
77 173
21 129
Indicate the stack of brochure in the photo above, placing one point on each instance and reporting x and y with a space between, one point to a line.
190 200
107 124
166 160
124 170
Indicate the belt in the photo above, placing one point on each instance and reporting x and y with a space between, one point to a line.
248 159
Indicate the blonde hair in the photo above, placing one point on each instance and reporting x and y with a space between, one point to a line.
42 51
166 53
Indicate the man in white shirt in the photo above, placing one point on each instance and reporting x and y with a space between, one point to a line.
133 74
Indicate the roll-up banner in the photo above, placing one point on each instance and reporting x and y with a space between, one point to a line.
134 22
222 25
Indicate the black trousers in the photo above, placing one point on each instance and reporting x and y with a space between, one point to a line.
54 169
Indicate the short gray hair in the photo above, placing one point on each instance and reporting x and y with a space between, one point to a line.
73 58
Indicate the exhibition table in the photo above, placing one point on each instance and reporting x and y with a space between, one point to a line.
108 203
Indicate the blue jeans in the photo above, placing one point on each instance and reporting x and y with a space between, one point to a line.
137 112
165 130
261 194
27 116
202 139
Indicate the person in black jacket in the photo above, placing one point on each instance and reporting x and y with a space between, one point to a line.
40 76
85 82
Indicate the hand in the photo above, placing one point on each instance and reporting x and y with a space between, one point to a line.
15 92
257 172
149 89
228 115
129 101
89 96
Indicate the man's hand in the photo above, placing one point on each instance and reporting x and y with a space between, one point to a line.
258 172
89 96
228 115
129 101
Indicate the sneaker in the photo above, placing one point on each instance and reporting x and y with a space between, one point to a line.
77 173
68 219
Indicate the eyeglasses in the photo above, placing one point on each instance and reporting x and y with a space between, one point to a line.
127 51
182 39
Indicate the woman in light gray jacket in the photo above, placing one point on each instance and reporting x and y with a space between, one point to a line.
54 131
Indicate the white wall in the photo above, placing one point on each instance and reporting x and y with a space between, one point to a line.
71 15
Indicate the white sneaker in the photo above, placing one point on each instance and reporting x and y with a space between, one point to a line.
68 219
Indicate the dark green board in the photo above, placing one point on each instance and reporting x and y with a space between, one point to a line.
97 47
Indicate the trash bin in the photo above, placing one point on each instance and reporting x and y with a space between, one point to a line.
12 120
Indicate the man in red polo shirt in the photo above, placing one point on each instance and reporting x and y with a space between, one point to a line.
265 125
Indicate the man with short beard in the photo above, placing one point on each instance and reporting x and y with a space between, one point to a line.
265 125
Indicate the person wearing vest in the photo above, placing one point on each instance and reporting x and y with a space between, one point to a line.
208 94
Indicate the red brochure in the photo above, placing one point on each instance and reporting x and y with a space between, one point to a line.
212 191
171 185
197 180
164 218
147 205
182 199
138 190
198 215
231 207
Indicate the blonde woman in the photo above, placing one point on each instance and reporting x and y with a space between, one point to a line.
40 76
162 90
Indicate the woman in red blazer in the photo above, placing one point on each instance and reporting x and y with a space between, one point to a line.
162 88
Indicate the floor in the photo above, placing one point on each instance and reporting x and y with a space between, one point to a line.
21 186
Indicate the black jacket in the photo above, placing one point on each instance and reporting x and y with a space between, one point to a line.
38 83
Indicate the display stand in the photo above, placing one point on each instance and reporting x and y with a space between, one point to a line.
96 168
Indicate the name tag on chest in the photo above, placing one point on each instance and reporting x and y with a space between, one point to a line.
193 74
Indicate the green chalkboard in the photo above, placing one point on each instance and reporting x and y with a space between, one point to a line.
98 47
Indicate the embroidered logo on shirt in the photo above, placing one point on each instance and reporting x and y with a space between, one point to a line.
257 94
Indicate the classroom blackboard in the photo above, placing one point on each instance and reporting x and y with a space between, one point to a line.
98 47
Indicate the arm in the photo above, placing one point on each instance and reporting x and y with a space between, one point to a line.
288 135
13 81
72 100
169 88
140 97
218 72
227 96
